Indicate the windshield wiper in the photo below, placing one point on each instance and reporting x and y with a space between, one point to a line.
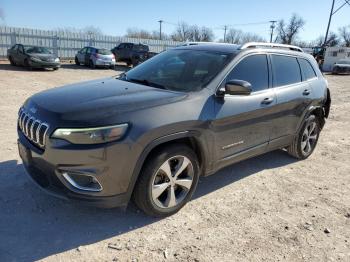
145 82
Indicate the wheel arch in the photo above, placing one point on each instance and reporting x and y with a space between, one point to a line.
189 138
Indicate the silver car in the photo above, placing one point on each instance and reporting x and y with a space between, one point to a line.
342 67
95 57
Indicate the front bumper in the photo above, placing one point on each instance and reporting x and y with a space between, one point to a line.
111 164
44 64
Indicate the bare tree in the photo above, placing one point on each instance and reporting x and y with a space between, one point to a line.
138 33
200 34
287 33
344 33
91 30
250 37
332 39
234 36
182 32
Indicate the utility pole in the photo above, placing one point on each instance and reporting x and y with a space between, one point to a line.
272 26
330 18
225 29
160 29
329 23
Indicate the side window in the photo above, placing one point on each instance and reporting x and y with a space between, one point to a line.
286 70
20 49
83 51
14 48
121 46
253 69
307 69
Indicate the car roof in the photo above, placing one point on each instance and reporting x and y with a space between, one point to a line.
216 47
235 49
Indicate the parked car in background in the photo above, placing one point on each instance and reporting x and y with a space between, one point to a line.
342 67
95 57
187 112
33 57
132 54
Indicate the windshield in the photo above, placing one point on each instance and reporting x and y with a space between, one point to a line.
104 52
140 48
36 50
344 61
179 70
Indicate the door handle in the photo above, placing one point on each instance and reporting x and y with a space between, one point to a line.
306 92
267 101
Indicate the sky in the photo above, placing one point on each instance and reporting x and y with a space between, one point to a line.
114 17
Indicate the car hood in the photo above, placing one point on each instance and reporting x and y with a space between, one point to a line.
98 100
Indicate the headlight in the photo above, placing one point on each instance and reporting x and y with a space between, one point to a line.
95 135
57 60
35 59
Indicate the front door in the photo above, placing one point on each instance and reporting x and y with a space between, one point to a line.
81 55
244 122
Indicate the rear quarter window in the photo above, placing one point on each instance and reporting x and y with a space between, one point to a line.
286 70
307 69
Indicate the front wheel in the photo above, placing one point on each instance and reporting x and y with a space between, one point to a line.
167 181
305 142
11 61
76 60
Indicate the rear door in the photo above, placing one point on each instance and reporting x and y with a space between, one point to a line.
292 95
243 122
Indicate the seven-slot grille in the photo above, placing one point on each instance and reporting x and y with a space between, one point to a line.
34 129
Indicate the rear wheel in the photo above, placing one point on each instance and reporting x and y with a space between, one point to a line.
11 61
76 61
167 181
305 142
55 68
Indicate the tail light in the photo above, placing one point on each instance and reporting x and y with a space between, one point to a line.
113 56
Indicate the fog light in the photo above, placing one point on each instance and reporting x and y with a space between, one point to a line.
83 181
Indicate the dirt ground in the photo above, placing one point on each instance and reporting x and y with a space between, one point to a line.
269 208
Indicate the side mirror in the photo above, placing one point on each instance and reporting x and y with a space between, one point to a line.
238 87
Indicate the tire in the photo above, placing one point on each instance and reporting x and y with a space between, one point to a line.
11 61
55 68
135 62
305 142
76 61
129 63
91 64
158 195
26 64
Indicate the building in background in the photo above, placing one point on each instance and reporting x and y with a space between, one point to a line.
333 55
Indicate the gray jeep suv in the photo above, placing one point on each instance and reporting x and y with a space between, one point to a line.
187 112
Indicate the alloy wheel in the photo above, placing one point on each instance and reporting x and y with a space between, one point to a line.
309 138
172 182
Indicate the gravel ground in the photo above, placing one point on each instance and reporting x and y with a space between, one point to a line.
269 208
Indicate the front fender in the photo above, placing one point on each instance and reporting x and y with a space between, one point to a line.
150 146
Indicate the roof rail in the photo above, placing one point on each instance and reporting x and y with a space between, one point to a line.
271 45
